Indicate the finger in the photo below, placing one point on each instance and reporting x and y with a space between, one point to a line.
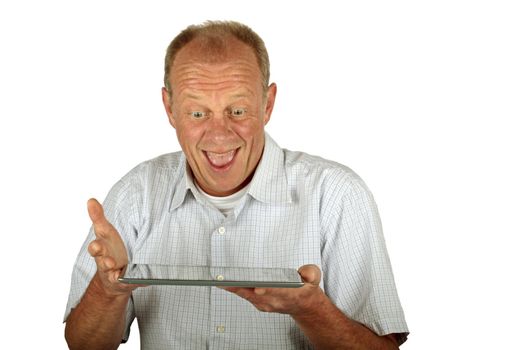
310 274
246 293
114 275
260 291
111 283
95 249
96 214
108 262
98 250
105 264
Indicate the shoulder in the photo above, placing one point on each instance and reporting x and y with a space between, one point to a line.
150 180
168 161
166 164
154 175
328 175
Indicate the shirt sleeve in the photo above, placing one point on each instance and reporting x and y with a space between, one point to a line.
119 210
357 273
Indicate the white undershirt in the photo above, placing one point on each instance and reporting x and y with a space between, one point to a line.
224 204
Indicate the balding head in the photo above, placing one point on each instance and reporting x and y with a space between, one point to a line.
214 40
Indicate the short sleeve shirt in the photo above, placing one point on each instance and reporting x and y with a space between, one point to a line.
299 209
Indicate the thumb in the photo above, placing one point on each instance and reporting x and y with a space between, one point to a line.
310 274
96 214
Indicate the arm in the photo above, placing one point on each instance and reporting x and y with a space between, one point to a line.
98 321
328 328
320 320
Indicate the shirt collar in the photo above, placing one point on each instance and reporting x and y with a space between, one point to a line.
183 184
268 185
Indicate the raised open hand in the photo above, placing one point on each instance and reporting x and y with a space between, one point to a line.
108 249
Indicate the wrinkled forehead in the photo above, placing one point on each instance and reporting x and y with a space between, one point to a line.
215 51
204 66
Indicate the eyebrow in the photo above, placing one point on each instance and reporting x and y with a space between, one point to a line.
196 95
241 95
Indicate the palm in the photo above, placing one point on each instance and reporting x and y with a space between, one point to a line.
108 246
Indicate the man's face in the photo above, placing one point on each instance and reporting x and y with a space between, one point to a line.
218 109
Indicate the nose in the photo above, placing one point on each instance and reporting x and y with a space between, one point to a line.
219 128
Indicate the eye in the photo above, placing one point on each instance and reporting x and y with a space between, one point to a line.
197 114
238 112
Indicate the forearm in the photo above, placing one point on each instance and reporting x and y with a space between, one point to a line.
98 321
328 328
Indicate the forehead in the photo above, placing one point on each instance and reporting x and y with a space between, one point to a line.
201 63
215 49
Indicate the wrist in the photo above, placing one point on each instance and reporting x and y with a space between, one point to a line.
312 306
102 290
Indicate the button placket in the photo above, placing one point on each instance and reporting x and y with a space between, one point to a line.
217 272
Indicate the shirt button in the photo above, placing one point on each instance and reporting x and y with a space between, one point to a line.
221 329
219 278
222 230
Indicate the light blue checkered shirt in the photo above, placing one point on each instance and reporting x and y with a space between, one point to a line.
299 210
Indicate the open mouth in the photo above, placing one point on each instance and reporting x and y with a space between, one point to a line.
221 161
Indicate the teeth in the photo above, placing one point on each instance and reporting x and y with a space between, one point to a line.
220 159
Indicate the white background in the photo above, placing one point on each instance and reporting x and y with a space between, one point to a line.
423 99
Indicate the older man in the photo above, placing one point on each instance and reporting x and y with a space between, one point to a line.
234 198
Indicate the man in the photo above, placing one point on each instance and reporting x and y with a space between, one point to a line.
234 198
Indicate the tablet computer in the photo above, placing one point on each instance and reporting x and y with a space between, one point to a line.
248 277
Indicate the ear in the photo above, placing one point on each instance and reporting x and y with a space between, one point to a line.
166 100
270 100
